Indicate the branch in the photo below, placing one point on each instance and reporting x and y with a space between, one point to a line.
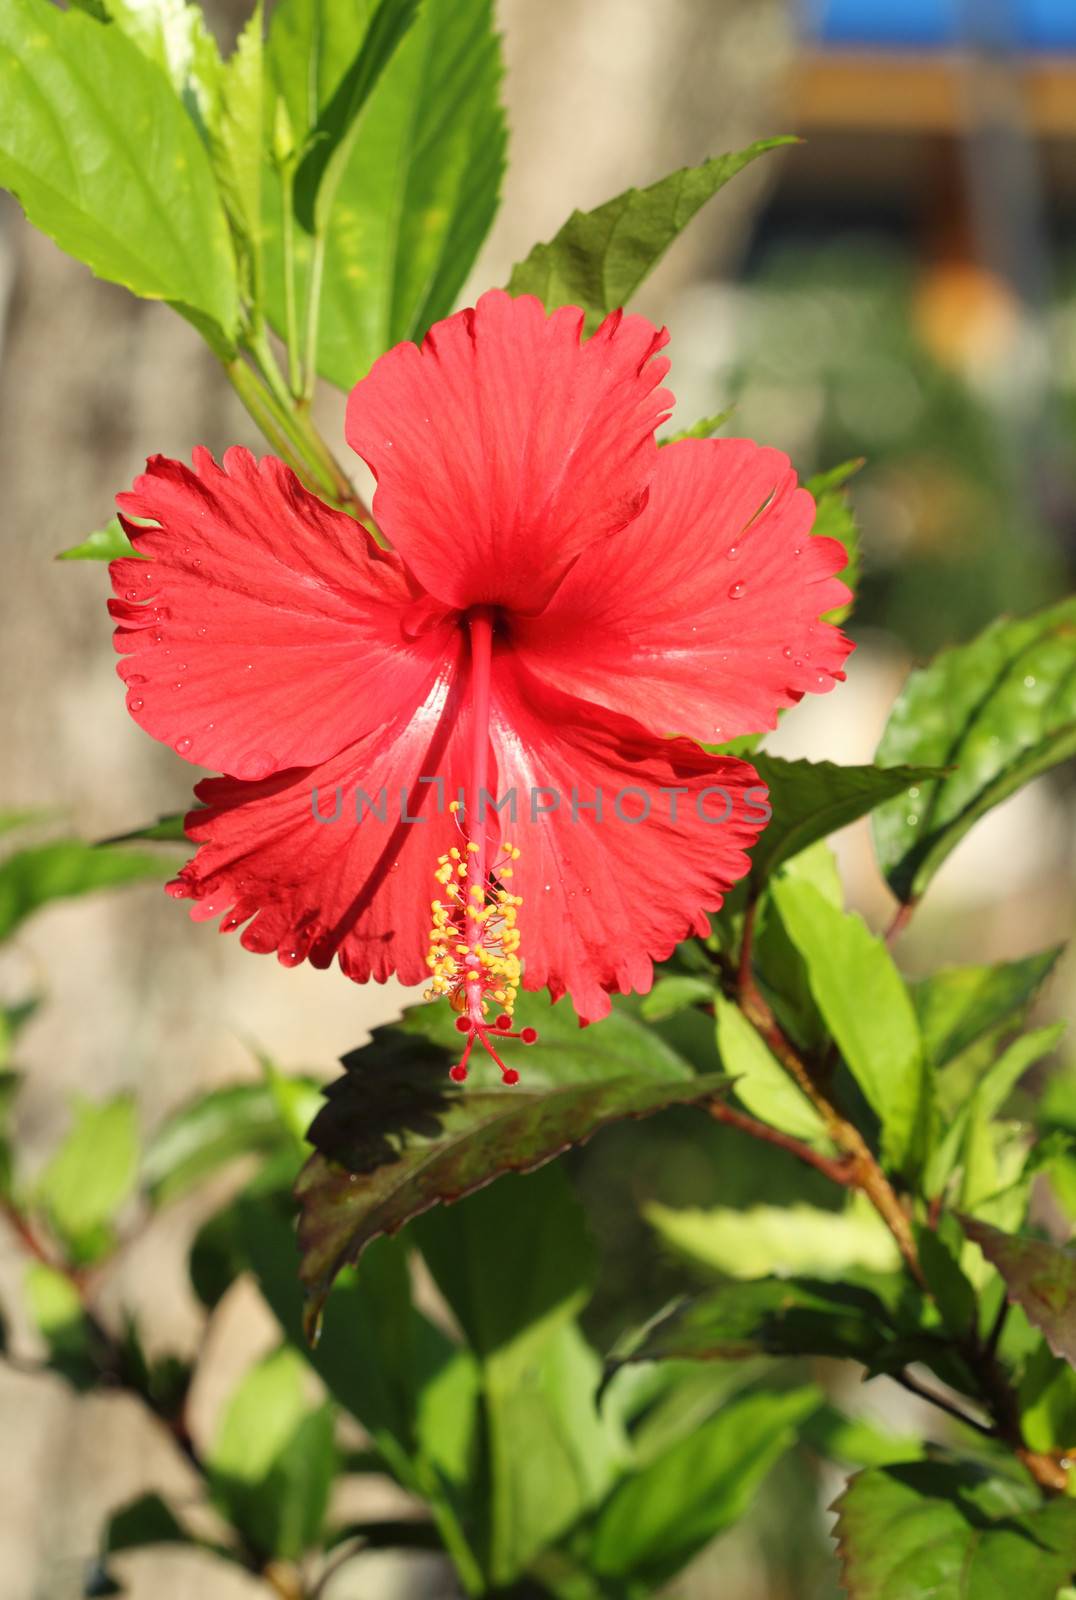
838 1169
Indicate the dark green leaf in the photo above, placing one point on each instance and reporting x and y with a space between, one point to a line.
106 544
397 1137
420 185
538 1376
599 258
765 1316
812 799
658 1518
996 713
865 1003
104 158
951 1531
958 1005
954 1296
1039 1277
31 878
147 1520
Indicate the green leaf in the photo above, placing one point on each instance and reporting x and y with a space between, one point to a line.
204 1135
272 1460
56 1311
93 1173
766 1316
599 258
397 1137
104 158
812 799
953 1531
31 878
996 712
857 1442
564 1054
333 134
675 992
657 1519
1047 1399
169 830
939 1257
174 36
835 519
958 1005
235 145
147 1520
864 1001
421 182
106 544
705 428
1039 1277
538 1376
777 1239
988 1097
758 1079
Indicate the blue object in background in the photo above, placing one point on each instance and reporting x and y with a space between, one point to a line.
1048 25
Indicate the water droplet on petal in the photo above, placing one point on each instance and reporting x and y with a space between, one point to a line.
289 958
548 888
178 890
732 552
249 667
135 703
787 653
178 685
797 551
202 632
155 638
135 677
737 591
131 594
183 745
796 662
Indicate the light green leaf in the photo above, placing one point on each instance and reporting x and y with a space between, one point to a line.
865 1003
778 1239
210 1131
759 1080
989 1096
55 1310
835 519
1047 1399
105 544
421 182
173 35
812 799
94 1172
950 1530
657 1519
705 428
272 1460
235 145
103 157
599 258
31 878
996 712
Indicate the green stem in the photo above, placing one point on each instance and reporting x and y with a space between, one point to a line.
313 313
291 315
260 405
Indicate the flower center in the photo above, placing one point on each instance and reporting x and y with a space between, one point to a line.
474 942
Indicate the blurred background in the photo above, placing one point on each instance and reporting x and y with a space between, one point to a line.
901 287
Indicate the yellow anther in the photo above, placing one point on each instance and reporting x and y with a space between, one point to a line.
473 847
453 806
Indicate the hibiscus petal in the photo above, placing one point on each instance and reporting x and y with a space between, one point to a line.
290 851
267 631
702 616
503 446
605 897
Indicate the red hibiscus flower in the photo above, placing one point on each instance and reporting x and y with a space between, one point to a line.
564 610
